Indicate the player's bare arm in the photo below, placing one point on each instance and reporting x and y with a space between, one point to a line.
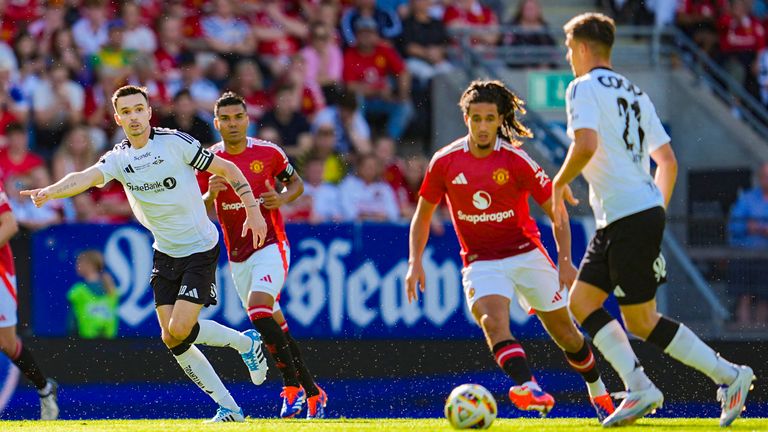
294 187
562 233
70 185
581 151
666 171
216 184
8 227
254 220
417 241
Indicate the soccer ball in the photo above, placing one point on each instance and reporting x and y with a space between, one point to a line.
470 406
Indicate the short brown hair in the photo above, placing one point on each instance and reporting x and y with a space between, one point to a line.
127 91
594 28
227 99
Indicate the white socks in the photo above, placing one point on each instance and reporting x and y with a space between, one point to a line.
214 334
200 371
596 388
688 349
614 345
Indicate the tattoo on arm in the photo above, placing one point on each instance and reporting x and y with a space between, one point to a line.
246 192
237 185
64 188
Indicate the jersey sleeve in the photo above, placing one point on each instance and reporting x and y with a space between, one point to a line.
532 178
5 205
433 186
202 180
191 151
581 106
109 167
283 168
657 136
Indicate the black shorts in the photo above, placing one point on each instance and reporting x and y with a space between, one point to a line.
625 257
191 278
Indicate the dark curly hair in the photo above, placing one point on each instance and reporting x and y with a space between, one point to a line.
507 103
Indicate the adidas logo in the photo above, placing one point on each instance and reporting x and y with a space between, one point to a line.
129 169
185 291
618 292
459 179
557 297
267 279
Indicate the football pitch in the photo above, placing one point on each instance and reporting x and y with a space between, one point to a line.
366 425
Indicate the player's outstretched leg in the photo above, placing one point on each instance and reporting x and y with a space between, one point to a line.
247 343
22 357
200 371
317 398
642 397
680 343
560 327
277 345
492 313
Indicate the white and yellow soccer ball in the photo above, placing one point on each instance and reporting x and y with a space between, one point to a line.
470 406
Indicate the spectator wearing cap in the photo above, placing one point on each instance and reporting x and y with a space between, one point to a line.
90 32
351 130
377 74
137 36
387 22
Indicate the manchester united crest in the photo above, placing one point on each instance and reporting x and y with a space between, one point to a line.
471 293
501 176
257 166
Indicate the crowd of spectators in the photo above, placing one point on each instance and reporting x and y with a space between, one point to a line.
339 84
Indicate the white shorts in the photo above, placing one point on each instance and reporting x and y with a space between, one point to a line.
531 275
264 271
8 301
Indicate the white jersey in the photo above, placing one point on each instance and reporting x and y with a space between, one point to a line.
628 129
159 180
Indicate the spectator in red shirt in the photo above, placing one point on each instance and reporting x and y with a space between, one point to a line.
170 48
279 34
17 160
698 19
741 37
375 71
473 15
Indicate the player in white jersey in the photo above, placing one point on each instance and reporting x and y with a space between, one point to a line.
157 169
614 128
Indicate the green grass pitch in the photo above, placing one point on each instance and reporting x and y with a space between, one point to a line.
370 425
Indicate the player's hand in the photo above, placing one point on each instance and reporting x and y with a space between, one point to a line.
559 195
567 273
271 198
255 222
39 196
216 184
415 276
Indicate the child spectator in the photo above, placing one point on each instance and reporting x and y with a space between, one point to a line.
94 299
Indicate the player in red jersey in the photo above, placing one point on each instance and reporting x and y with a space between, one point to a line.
259 273
487 180
10 343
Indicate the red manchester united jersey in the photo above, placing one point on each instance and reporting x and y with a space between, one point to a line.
261 161
7 269
488 198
